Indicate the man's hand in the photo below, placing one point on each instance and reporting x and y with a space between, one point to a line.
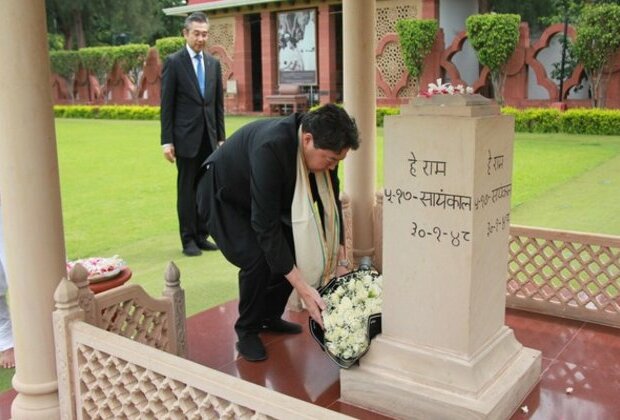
312 300
169 153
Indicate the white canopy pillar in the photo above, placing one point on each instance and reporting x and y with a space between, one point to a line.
360 101
30 189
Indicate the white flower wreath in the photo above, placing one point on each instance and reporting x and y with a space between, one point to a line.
353 301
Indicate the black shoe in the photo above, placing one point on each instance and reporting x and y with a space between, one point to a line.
191 250
206 245
251 348
281 326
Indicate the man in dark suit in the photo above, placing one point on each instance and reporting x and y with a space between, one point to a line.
246 196
192 123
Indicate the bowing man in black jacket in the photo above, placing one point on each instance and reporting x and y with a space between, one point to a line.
192 123
246 197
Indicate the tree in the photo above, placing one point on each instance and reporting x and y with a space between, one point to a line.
531 11
494 37
416 40
69 18
598 38
102 22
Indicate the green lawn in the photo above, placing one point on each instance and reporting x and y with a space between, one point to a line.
118 197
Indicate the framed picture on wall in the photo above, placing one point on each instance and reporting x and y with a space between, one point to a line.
297 63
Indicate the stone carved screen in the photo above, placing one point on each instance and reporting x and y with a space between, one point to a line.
390 65
221 43
565 273
110 387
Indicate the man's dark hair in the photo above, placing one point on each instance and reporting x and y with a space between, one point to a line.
331 128
195 17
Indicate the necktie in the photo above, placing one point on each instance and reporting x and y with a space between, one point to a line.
200 74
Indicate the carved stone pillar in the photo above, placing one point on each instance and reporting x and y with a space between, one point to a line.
359 100
31 207
174 291
444 351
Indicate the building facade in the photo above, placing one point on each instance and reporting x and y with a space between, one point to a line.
261 44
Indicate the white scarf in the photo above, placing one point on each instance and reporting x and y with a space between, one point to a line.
316 249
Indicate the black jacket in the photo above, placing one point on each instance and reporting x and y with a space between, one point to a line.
184 112
255 171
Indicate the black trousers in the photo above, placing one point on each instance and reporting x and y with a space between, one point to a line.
188 169
262 294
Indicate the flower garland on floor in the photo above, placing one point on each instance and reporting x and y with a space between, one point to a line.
350 303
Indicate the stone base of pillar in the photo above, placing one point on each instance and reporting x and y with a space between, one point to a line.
400 379
35 407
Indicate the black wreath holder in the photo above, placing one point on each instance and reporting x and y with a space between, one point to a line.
374 320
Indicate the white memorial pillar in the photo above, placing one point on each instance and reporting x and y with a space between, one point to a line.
445 352
359 63
29 184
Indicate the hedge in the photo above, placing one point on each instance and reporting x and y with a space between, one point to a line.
529 120
166 46
573 121
109 112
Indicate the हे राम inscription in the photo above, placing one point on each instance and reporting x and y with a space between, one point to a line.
429 167
494 162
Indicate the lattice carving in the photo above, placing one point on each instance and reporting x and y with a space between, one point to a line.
408 90
110 387
389 60
575 272
390 12
222 34
390 64
130 319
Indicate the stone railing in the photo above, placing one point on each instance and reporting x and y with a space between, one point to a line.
110 362
567 274
560 273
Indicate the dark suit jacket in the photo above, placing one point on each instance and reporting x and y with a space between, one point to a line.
185 114
255 173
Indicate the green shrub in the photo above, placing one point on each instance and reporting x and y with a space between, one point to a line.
591 121
494 37
416 37
573 121
65 63
529 120
382 112
598 38
108 112
131 58
55 42
167 46
542 120
74 111
98 60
